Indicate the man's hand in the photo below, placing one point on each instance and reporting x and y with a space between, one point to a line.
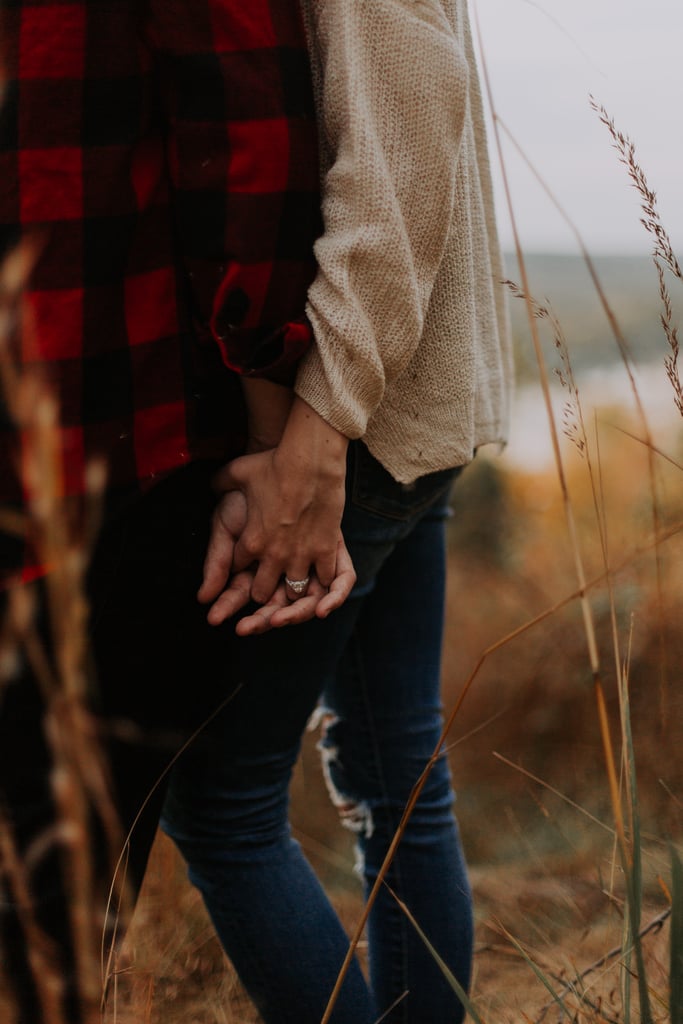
228 521
268 406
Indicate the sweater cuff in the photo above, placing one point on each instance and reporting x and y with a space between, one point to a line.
339 405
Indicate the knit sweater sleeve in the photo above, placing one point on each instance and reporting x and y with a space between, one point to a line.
392 91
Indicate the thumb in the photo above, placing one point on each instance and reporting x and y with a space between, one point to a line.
231 476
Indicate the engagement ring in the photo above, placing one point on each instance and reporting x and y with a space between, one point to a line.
298 586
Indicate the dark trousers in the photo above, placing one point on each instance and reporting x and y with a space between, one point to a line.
156 672
162 671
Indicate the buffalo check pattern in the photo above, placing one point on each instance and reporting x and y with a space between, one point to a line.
160 157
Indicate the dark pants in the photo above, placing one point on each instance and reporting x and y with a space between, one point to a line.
161 671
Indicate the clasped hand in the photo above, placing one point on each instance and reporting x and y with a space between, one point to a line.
279 517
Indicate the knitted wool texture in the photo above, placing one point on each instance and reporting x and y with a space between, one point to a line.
412 336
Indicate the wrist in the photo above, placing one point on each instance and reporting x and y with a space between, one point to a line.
311 455
313 443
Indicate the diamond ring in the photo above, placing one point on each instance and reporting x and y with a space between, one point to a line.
298 586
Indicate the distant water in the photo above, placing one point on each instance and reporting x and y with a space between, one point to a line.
604 388
563 281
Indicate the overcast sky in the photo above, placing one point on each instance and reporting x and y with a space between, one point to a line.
544 58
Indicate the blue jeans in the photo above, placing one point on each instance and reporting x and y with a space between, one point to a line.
375 667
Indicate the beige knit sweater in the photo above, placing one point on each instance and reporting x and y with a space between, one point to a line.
412 339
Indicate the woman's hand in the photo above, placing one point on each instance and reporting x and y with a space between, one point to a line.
280 518
294 502
231 593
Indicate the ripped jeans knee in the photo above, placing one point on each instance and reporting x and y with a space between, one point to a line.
371 786
355 812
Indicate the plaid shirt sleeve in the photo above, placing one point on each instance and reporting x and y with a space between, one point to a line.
242 148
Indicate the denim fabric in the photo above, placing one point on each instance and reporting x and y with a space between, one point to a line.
161 670
376 663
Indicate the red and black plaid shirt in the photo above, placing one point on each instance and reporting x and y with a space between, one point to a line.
161 155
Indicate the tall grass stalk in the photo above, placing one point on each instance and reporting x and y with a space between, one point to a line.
663 255
627 360
79 774
589 625
542 977
47 980
442 965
